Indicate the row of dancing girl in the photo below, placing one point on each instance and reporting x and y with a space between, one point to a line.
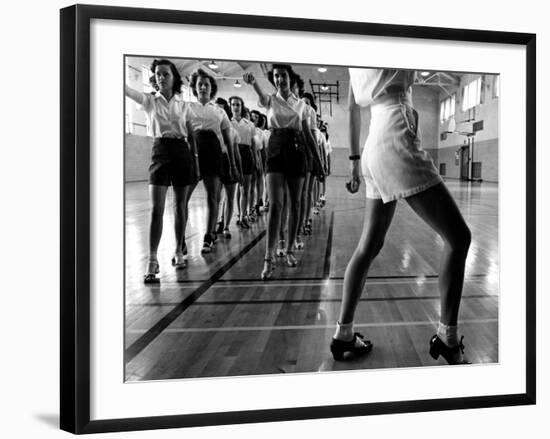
204 140
192 141
292 151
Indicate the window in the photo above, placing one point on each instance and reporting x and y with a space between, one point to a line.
471 95
496 86
145 76
447 108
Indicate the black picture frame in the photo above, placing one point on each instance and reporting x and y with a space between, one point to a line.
75 217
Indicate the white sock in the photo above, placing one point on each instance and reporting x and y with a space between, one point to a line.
448 334
344 332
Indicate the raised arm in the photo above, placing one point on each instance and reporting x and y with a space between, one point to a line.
249 78
354 136
133 94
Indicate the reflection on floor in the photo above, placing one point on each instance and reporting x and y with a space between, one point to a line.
217 318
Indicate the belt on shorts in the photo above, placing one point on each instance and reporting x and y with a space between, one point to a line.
285 131
206 132
168 138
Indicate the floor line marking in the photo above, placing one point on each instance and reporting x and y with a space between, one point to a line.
320 300
151 334
304 327
321 282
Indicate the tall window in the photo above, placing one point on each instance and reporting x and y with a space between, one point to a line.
471 95
145 75
447 108
496 86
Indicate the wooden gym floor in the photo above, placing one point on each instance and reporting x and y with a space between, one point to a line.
217 318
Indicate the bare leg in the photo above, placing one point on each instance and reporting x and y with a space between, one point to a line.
304 203
438 209
309 202
245 191
378 217
157 197
295 186
252 196
182 194
239 192
212 186
259 188
229 203
284 215
275 191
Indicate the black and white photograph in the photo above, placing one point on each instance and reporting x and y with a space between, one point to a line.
295 218
277 218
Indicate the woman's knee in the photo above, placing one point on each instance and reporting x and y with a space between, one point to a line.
370 247
460 240
157 211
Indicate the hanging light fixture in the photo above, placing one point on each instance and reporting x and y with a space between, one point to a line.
424 74
324 87
213 65
322 69
237 84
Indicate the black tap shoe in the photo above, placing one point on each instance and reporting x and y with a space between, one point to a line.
437 348
339 348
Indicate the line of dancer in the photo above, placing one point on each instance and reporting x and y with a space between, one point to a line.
264 160
292 154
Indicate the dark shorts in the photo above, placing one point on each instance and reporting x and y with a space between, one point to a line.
226 175
247 162
210 153
286 152
171 163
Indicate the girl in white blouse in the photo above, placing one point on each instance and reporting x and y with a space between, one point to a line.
261 144
229 181
395 167
172 159
286 165
209 125
245 130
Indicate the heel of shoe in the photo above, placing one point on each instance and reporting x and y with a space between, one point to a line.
339 348
434 353
337 354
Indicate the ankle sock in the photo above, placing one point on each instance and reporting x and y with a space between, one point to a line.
344 332
448 334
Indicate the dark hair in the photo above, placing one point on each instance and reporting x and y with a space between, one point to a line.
311 100
176 87
300 84
225 105
286 67
263 121
259 119
202 74
243 108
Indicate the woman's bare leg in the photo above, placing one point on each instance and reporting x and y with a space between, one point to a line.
378 217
